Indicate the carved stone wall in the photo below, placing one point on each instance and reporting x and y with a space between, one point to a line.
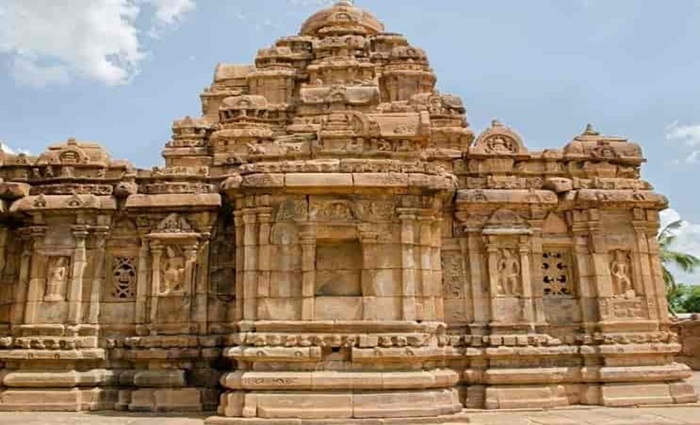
330 240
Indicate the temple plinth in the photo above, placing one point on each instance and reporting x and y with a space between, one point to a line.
330 240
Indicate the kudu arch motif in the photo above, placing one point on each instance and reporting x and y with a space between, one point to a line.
330 240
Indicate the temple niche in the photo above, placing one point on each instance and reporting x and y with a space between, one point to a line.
331 240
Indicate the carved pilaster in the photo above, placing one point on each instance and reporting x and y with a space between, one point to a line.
156 255
250 265
526 282
98 280
142 282
34 262
264 260
408 264
239 253
307 239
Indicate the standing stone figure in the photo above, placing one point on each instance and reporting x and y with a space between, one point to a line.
57 280
173 272
508 272
619 269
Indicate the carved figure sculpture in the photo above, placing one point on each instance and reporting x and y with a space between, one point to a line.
508 272
57 279
620 271
173 272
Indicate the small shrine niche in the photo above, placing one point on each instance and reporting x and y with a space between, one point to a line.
338 283
174 246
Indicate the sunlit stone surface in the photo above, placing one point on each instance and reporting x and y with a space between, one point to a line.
331 240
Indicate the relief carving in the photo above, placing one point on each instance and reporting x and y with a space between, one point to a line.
501 145
508 268
173 272
57 279
452 274
620 270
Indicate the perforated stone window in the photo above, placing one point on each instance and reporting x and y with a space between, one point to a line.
556 276
123 278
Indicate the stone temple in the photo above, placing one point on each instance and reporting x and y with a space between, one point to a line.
330 240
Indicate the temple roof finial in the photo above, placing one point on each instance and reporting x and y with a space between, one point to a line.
590 131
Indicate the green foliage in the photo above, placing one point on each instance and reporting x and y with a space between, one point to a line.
685 298
684 261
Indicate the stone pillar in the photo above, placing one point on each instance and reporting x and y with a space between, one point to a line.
408 264
436 266
200 285
75 289
585 288
142 283
429 288
98 279
480 304
156 254
526 282
250 266
370 252
36 282
307 239
264 260
23 279
492 255
238 223
536 278
644 279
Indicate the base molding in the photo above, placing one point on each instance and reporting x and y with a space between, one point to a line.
57 399
458 418
339 405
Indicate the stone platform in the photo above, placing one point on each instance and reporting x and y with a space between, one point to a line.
667 415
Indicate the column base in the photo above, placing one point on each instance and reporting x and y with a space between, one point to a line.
57 399
458 418
163 400
639 394
342 405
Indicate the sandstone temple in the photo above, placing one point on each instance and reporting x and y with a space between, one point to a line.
330 240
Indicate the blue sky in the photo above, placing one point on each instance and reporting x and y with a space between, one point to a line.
119 71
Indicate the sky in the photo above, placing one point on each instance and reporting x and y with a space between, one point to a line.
119 72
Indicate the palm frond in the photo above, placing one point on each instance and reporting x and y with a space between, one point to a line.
669 280
669 228
686 262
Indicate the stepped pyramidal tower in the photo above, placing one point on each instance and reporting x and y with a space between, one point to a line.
330 240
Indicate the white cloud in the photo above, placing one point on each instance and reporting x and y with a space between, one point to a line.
688 136
53 42
168 13
687 240
7 149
